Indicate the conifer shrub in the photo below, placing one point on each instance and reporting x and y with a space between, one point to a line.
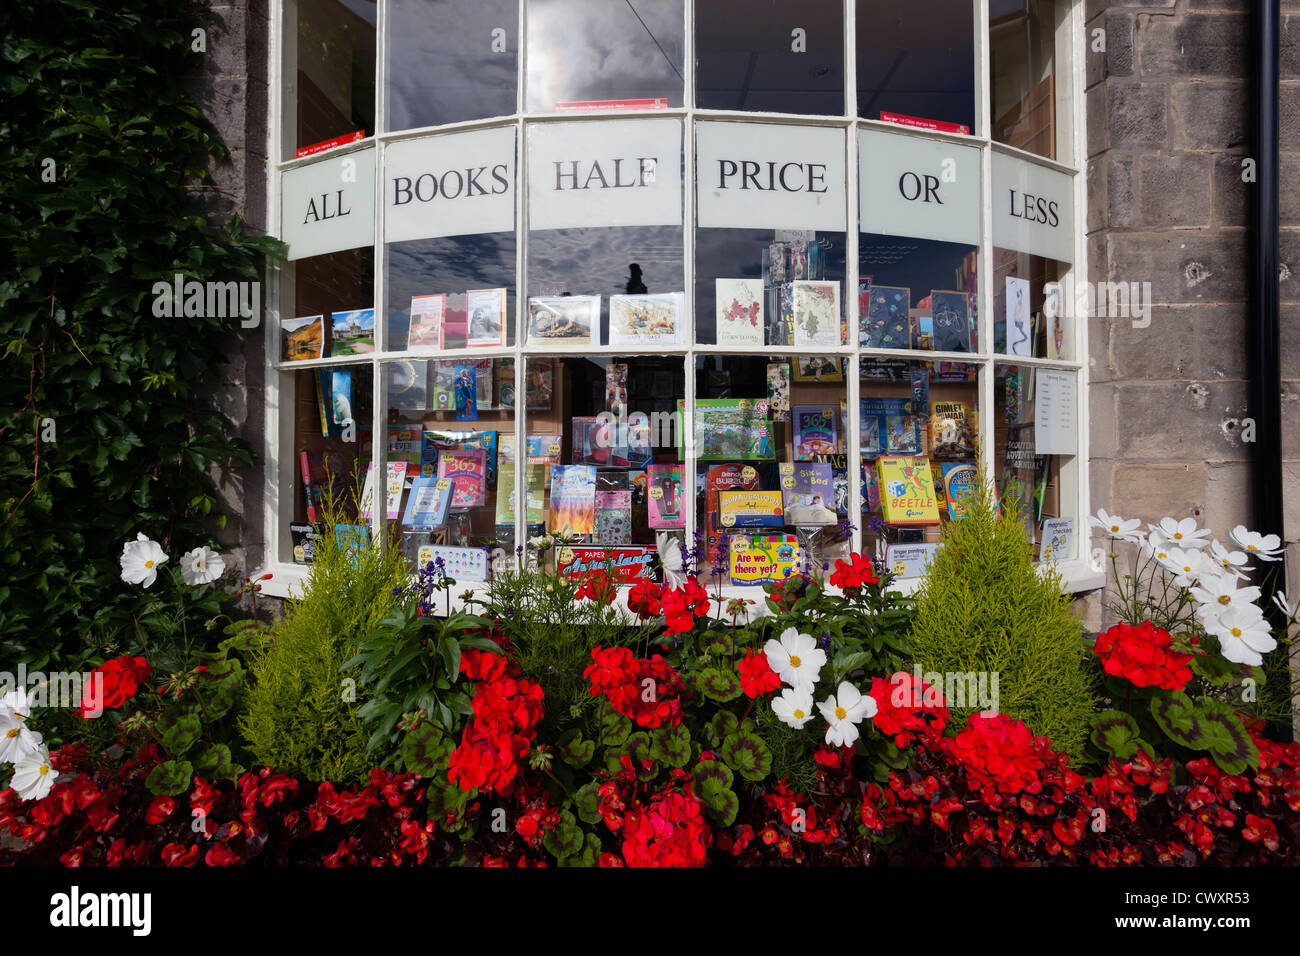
301 711
984 606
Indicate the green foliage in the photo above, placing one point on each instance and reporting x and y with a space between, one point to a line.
301 713
99 91
983 606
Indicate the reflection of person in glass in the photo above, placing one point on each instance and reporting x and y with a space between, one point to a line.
635 284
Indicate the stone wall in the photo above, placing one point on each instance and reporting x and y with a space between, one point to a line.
230 85
1168 127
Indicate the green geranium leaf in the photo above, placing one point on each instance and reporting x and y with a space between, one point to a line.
717 644
446 798
1229 743
671 745
614 729
721 802
639 746
180 728
746 754
723 724
1213 669
1116 733
1177 716
170 778
720 685
588 856
586 801
573 750
215 763
565 839
712 770
426 750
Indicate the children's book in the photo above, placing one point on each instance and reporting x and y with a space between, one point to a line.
465 384
958 483
778 391
907 490
755 560
719 478
404 444
428 504
468 469
573 499
729 428
394 482
664 496
614 516
750 509
807 492
954 430
816 431
897 430
600 442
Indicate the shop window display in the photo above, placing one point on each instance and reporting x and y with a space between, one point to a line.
329 72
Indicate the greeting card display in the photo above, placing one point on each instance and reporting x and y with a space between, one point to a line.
614 516
302 338
739 304
778 391
573 499
952 325
816 431
816 314
886 324
487 317
427 315
353 332
564 320
664 496
639 320
468 469
807 493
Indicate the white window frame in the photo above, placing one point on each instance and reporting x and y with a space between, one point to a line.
1080 572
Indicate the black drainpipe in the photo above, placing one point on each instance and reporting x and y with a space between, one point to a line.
1265 385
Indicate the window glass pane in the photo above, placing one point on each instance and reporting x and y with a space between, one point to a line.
758 287
1027 105
922 415
451 61
771 480
452 292
606 466
1030 317
332 439
777 57
450 457
329 69
916 60
916 293
600 54
1034 418
328 306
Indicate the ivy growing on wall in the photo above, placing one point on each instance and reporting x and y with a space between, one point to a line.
106 418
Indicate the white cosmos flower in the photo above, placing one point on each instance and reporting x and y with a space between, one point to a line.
1183 534
1266 547
1243 633
1156 547
1233 562
1187 566
33 776
796 658
1279 598
843 712
15 704
1116 527
1217 594
794 706
16 741
201 566
140 561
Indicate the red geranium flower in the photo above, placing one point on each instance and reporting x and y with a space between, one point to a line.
643 599
859 571
112 684
1143 655
756 677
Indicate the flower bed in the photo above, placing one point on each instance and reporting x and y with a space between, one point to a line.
543 730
